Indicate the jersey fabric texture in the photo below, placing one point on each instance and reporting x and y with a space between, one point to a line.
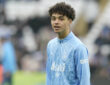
67 62
9 58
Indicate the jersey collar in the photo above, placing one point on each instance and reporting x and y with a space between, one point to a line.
68 37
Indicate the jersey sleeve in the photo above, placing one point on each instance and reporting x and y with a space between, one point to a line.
48 65
82 65
9 58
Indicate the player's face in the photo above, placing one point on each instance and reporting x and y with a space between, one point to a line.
60 23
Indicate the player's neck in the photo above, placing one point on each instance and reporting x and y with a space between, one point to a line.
63 34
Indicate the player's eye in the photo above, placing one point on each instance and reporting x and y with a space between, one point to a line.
53 18
61 18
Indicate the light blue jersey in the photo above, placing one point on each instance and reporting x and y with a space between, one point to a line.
9 60
67 62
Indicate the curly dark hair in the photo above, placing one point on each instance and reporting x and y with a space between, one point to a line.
64 9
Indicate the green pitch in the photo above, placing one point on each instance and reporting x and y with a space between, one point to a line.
29 78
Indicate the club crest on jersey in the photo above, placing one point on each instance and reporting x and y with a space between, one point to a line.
64 57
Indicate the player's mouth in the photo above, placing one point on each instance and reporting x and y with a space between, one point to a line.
56 27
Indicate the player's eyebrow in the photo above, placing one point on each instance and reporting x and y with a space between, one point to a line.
61 16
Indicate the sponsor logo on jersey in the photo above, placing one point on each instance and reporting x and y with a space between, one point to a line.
83 61
58 68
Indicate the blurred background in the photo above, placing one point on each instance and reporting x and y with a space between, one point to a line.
25 31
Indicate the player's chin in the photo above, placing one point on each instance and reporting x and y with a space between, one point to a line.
57 31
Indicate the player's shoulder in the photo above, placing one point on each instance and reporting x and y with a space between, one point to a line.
81 48
52 41
80 45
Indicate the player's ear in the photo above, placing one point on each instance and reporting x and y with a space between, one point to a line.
70 21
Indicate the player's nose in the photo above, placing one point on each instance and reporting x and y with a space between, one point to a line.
56 21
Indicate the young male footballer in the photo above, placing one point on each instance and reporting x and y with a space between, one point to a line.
67 62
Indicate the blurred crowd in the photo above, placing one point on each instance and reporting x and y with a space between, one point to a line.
101 59
27 38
